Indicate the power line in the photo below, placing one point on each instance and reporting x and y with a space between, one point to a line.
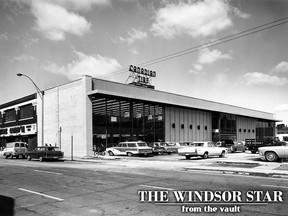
206 45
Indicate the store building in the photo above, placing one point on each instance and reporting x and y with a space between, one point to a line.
90 111
18 121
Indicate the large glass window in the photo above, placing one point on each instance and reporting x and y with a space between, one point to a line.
265 129
26 112
10 115
149 123
116 120
125 120
224 126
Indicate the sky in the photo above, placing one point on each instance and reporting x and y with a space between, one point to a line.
57 41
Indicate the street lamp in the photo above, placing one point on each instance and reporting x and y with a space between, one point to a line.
41 94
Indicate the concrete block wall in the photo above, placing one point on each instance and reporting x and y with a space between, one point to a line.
68 116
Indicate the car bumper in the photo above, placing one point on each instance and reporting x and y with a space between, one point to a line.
187 154
53 157
172 150
262 156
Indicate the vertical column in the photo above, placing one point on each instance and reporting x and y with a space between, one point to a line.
87 115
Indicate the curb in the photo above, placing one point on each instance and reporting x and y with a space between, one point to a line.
92 159
245 173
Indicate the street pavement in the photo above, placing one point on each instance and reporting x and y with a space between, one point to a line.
107 185
233 163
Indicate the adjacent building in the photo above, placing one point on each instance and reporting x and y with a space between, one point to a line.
91 111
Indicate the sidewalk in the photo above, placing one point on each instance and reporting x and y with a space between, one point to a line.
237 164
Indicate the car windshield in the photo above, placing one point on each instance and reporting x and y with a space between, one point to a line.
183 144
142 144
171 144
9 145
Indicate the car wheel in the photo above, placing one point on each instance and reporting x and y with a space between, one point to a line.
29 158
205 155
169 153
40 159
6 156
271 156
129 154
188 157
222 154
111 153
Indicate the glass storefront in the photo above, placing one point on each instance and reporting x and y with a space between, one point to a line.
265 129
119 119
224 126
116 120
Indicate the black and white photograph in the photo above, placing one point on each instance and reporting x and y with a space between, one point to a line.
143 107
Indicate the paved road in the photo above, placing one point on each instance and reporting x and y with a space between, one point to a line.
110 187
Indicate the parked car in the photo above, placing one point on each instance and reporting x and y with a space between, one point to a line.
157 148
177 145
169 147
273 153
203 149
45 153
226 143
130 148
15 149
238 146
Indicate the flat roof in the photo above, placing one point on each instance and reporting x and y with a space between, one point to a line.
105 87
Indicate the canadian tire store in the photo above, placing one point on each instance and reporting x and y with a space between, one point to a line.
123 112
90 111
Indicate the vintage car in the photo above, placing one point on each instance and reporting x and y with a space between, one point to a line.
273 153
157 148
203 149
45 153
226 143
130 148
238 146
177 145
169 148
15 149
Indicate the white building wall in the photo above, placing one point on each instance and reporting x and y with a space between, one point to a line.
68 116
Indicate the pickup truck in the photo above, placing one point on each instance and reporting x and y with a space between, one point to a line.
45 152
253 144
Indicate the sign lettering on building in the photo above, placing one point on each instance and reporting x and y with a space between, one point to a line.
141 76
